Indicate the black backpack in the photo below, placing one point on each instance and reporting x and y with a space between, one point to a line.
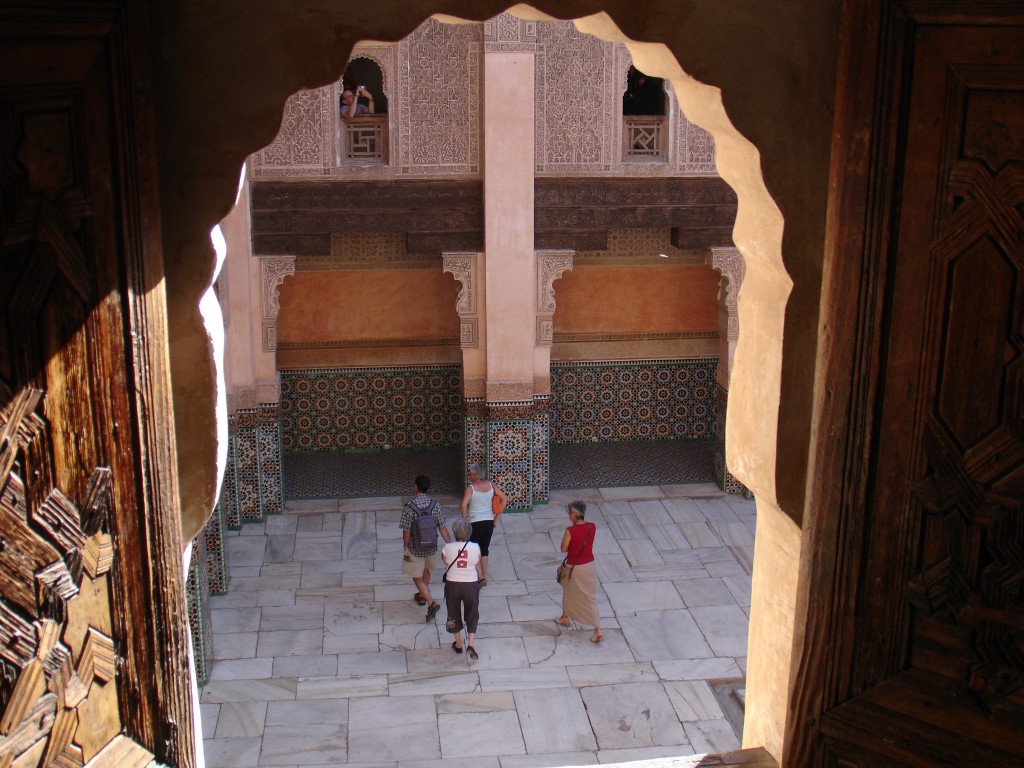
423 533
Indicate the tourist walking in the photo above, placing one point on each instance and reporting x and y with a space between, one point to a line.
461 586
477 507
420 523
579 585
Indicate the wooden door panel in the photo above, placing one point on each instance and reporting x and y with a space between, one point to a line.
93 666
915 647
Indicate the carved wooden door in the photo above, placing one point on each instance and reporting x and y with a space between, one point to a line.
93 664
915 648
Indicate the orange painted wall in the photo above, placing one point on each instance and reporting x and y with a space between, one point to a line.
625 299
353 306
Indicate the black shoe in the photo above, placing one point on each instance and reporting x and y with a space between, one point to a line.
472 653
419 598
459 650
432 611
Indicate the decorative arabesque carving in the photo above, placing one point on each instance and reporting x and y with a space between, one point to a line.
432 79
273 271
303 145
439 124
729 262
464 268
509 33
551 265
574 98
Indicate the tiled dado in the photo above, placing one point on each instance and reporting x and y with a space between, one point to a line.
650 400
197 601
515 452
256 442
723 477
510 455
371 408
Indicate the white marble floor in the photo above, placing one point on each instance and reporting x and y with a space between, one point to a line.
323 658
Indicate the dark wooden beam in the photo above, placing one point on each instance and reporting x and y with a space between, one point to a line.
574 214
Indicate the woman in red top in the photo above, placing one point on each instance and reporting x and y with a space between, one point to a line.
579 591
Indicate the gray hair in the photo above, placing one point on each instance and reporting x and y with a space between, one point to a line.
478 470
579 507
462 529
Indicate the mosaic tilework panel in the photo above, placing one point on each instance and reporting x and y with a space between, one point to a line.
614 402
213 541
379 408
475 441
652 462
268 437
247 470
510 454
197 601
541 456
229 489
355 474
723 477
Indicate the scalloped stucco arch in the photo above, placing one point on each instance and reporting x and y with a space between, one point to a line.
220 98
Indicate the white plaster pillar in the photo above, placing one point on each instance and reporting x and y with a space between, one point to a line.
509 271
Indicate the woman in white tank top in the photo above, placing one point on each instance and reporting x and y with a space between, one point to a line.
476 507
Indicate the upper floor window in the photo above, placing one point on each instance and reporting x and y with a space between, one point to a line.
363 108
644 125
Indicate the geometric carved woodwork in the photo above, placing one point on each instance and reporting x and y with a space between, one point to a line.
86 469
914 651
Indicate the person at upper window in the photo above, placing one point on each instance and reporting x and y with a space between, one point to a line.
644 95
351 104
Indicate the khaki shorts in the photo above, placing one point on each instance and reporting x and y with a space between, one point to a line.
414 565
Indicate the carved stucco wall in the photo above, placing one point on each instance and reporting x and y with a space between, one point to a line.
432 80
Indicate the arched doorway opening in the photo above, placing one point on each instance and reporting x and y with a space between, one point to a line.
761 423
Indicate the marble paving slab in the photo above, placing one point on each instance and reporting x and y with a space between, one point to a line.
554 721
476 734
242 669
628 598
304 744
633 715
664 635
457 703
301 642
240 719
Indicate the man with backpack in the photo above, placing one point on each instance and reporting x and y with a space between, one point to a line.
421 522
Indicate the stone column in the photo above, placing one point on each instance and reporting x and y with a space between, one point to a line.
248 289
506 414
730 263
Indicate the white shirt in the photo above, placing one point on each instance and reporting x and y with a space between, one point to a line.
464 568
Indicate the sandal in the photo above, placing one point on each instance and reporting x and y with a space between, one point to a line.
432 611
458 649
472 653
597 638
418 598
565 623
